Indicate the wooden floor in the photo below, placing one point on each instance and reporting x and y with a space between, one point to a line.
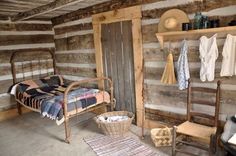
30 135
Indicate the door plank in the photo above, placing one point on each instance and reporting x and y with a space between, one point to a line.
128 65
114 46
120 66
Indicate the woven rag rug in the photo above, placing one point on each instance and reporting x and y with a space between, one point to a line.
120 146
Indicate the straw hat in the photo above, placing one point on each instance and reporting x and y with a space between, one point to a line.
172 20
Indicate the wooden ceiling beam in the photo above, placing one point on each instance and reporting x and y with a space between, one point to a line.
3 17
32 3
98 8
5 4
58 4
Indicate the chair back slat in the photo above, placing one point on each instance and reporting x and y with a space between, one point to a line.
216 104
202 115
202 102
206 90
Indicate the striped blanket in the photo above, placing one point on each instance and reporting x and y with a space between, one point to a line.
46 96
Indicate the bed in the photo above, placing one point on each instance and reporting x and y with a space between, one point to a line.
38 88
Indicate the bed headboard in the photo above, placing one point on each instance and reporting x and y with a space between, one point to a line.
30 64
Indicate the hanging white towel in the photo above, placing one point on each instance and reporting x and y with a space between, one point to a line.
228 67
208 55
182 67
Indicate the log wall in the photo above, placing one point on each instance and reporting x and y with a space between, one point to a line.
76 55
166 102
24 36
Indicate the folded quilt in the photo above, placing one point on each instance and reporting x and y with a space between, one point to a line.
79 98
46 96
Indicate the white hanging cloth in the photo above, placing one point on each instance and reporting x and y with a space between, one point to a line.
208 55
182 67
228 67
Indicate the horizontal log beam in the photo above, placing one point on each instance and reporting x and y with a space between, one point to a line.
91 10
27 46
76 58
73 28
3 17
29 75
75 42
147 14
44 9
25 27
189 8
17 39
41 52
28 67
173 118
82 72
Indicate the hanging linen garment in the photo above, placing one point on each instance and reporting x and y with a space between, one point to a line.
182 67
208 55
228 67
168 76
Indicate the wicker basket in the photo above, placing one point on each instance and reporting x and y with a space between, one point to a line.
161 136
115 128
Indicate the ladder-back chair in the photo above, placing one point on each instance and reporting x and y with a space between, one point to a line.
190 130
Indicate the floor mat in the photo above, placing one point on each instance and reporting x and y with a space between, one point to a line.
120 146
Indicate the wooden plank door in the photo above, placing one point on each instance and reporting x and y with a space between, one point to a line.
118 62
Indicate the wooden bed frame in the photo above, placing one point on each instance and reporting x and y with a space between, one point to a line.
67 116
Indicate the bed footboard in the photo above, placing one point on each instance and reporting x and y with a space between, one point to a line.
76 84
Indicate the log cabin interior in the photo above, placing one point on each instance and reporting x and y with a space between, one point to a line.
118 77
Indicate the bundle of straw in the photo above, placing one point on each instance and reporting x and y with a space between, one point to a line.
168 76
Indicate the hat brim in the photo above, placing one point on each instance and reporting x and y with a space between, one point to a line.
179 15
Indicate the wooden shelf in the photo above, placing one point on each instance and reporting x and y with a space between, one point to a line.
168 36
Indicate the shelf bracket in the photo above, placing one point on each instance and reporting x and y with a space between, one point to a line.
161 41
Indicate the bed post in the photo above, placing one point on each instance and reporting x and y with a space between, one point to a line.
13 71
53 62
65 101
19 108
67 130
66 122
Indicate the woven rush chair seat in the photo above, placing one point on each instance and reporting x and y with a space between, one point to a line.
196 130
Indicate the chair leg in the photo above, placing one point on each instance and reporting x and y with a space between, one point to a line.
174 141
19 108
67 131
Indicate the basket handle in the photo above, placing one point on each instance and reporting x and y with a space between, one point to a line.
167 128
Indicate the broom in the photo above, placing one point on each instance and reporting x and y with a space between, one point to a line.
168 76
